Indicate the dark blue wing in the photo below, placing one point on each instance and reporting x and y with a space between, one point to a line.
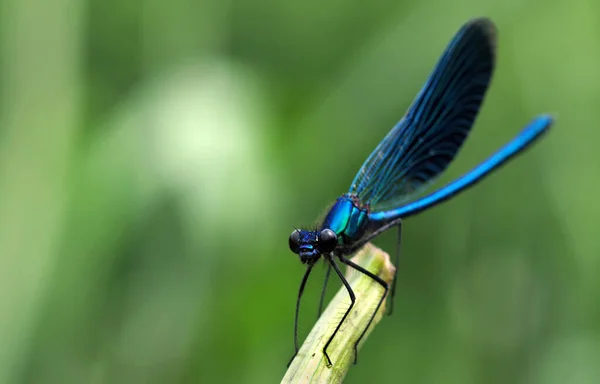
427 138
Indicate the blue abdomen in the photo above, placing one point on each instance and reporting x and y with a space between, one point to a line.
347 219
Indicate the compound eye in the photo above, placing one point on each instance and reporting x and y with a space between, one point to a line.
295 241
328 240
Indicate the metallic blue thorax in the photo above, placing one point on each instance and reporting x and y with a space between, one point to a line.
347 218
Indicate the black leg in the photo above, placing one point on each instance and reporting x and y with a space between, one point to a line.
302 284
324 289
352 299
398 243
385 287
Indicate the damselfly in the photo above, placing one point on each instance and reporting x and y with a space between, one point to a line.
409 158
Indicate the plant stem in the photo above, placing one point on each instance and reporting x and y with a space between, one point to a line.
309 365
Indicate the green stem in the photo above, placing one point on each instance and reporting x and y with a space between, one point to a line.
309 365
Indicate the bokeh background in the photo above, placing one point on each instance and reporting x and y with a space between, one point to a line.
155 155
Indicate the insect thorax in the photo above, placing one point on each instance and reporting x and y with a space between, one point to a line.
348 218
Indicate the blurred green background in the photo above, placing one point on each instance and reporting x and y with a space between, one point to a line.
155 155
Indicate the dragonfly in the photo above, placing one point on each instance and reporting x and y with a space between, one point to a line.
388 187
